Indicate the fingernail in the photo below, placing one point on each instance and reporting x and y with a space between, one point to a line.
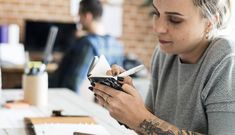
91 88
93 84
120 79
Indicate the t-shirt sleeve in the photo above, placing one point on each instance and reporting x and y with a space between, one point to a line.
219 98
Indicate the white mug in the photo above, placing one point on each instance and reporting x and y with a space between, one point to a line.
36 89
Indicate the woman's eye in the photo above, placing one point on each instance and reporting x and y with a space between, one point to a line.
154 13
155 16
175 20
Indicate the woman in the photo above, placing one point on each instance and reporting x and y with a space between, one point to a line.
192 87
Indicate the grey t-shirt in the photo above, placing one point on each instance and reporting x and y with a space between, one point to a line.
197 97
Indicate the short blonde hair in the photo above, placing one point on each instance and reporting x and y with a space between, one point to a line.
221 9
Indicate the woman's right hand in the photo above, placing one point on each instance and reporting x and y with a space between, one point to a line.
116 70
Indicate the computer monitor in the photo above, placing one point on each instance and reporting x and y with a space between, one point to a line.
36 34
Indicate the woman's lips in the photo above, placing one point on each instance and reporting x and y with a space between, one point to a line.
163 42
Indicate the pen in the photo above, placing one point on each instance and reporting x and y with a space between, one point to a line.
131 71
58 113
42 68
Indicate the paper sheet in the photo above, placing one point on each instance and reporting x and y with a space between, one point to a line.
14 118
69 129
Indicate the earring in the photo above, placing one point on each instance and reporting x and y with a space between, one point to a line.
207 34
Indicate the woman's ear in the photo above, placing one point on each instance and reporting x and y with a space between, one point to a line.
208 28
211 24
216 19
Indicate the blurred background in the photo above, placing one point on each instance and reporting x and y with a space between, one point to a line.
25 26
134 29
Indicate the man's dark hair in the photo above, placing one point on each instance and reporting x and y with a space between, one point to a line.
92 6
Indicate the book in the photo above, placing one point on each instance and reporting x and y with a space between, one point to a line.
99 67
63 126
97 73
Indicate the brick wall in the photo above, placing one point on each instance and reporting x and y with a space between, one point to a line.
137 26
17 11
138 35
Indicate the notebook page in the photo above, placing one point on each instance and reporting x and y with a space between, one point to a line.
69 129
100 68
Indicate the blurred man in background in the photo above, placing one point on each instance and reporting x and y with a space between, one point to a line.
74 66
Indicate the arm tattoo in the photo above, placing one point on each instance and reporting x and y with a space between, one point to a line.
152 127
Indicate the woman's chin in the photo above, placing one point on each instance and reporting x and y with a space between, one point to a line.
166 49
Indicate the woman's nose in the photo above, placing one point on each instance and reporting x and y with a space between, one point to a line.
159 26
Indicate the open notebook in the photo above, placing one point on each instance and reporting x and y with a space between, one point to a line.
63 126
99 67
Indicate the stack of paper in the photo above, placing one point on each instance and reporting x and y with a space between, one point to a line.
64 126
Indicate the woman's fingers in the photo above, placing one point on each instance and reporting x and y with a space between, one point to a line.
103 99
109 72
127 80
103 90
129 89
111 91
100 89
115 70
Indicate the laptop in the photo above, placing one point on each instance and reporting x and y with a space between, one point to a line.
47 54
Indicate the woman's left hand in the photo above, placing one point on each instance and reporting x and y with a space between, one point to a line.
125 106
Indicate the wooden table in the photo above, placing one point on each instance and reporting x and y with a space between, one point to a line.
60 99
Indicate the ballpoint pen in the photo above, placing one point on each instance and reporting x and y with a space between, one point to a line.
131 71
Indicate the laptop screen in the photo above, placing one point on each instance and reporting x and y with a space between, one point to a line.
36 35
